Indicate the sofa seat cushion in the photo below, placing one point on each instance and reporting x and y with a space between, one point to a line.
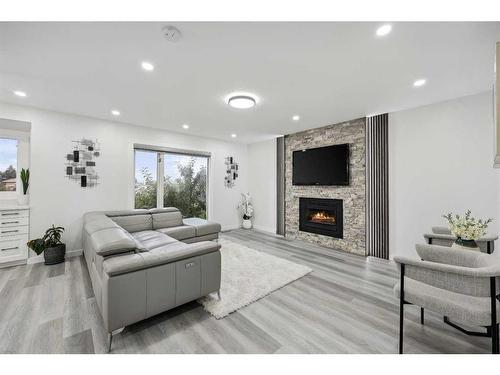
150 239
179 233
461 307
172 252
166 217
202 227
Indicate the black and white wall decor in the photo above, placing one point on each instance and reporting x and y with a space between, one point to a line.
231 172
81 162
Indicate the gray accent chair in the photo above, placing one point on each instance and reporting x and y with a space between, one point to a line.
459 284
442 236
144 262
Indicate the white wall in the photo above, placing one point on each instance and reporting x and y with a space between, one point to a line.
55 199
262 183
440 160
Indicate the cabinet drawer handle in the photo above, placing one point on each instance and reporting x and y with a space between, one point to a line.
10 213
10 248
10 222
10 231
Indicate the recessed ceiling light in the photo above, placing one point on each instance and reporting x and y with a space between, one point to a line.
419 82
147 66
384 30
22 94
233 135
114 112
241 100
296 118
185 126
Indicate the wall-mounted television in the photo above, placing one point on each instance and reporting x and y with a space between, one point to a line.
321 166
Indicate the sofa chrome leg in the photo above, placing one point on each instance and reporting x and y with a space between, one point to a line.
218 295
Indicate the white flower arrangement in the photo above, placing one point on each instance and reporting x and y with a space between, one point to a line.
245 206
467 227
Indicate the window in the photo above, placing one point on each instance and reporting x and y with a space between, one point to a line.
172 179
8 164
146 179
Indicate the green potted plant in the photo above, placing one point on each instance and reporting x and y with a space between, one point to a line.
50 245
25 179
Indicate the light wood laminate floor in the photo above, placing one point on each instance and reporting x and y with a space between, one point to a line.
345 305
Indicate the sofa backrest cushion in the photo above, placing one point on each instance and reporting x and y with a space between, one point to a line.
166 217
135 222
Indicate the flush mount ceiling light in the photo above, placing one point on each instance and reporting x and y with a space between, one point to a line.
185 126
233 135
115 112
241 100
147 66
296 118
384 30
21 94
419 82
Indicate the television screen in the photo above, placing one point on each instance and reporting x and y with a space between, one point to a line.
321 166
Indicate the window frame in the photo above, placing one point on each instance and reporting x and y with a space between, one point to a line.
160 170
13 194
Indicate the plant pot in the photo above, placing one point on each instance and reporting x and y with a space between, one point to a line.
247 224
54 255
465 244
23 200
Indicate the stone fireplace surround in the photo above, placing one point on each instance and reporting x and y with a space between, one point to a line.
353 195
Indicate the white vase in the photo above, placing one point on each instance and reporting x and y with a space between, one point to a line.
247 224
23 200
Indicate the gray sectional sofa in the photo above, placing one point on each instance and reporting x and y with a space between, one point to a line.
144 262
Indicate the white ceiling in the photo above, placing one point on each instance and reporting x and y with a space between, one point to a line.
324 72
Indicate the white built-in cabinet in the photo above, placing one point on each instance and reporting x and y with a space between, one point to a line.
14 234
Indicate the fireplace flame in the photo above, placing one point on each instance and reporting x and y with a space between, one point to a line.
322 217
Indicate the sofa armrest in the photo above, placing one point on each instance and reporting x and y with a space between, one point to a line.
162 255
112 241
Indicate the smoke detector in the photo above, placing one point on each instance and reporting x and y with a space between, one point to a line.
171 33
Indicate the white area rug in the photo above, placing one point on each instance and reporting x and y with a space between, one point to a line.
248 275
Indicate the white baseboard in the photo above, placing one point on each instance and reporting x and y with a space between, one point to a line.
265 229
69 254
230 227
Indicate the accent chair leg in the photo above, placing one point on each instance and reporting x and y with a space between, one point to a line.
421 315
110 341
401 308
494 325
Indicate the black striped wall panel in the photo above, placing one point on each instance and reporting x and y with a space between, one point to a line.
377 186
280 186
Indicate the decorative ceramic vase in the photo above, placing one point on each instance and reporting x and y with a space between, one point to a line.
247 224
23 200
465 244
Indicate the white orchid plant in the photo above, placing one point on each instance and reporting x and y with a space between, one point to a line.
245 206
467 227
